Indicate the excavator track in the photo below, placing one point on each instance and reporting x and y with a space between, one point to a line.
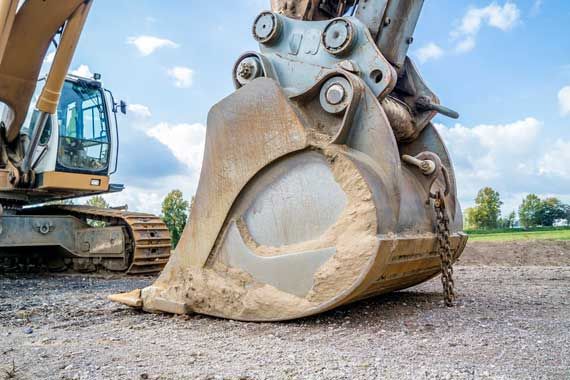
149 238
147 243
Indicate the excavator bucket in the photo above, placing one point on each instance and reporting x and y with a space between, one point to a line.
321 182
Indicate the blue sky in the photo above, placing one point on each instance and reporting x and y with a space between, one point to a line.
504 65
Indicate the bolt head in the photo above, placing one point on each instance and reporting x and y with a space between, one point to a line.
335 94
267 28
245 69
339 37
248 69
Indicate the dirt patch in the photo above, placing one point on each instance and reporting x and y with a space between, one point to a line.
517 253
510 322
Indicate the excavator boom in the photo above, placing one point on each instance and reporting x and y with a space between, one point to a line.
26 48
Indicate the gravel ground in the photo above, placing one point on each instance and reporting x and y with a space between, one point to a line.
511 322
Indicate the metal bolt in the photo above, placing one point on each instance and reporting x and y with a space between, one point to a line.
267 28
339 36
248 69
348 65
335 94
427 167
245 69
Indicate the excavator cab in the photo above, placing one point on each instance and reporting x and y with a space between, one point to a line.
77 151
82 136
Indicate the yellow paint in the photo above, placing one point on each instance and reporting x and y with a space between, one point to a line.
73 181
25 47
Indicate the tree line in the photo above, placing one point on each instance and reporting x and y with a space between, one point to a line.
532 212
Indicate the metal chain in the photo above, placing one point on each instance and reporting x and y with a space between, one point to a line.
444 249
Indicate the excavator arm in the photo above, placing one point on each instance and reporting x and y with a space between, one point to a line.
26 35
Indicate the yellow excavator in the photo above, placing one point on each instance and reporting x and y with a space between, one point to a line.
62 147
324 181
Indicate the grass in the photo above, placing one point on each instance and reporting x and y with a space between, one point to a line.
549 233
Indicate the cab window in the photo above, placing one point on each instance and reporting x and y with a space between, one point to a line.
83 128
46 134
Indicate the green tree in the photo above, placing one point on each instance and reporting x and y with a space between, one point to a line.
487 210
511 219
529 211
99 202
551 209
567 213
470 219
507 222
61 202
175 214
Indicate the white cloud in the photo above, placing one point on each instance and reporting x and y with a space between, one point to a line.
514 138
465 45
500 156
185 141
147 45
429 52
149 198
564 100
183 76
83 71
556 160
139 111
501 17
514 159
180 149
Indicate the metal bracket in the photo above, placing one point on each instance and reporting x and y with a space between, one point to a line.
303 50
431 166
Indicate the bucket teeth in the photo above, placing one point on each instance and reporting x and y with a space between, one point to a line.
132 299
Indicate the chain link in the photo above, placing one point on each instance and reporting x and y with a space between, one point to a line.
444 249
